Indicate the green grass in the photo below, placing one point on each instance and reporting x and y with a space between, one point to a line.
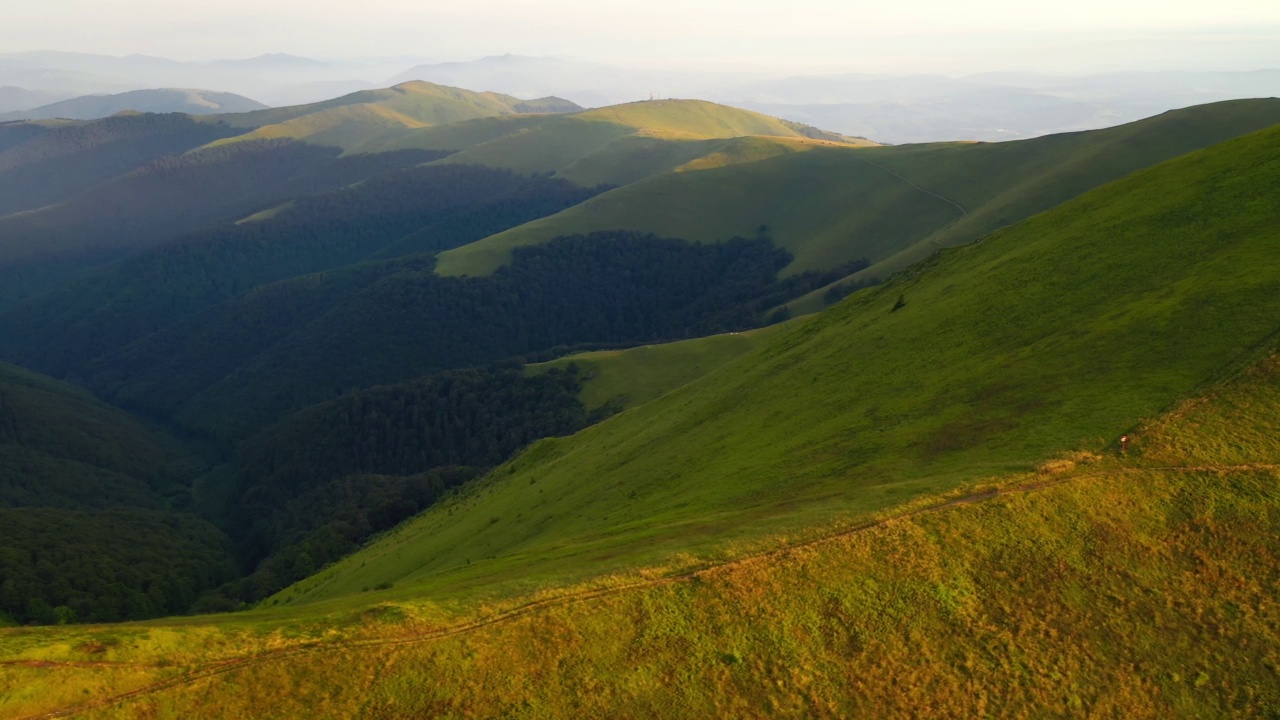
627 378
1058 334
892 205
616 145
1090 587
352 121
998 584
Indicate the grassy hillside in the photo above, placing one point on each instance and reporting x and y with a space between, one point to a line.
627 378
1090 587
983 361
620 144
894 205
354 120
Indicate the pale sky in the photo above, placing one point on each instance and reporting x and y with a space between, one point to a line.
874 36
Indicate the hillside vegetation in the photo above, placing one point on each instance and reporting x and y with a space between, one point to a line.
914 503
623 143
1092 586
987 359
77 477
354 120
893 205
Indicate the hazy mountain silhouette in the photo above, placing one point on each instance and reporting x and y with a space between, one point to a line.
92 107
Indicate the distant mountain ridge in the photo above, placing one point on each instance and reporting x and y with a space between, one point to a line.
162 100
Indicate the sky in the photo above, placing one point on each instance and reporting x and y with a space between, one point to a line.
882 36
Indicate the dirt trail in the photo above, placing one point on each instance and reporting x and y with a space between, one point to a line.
223 667
908 181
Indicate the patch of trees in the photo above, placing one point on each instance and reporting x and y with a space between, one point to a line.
60 566
319 484
63 332
88 526
608 288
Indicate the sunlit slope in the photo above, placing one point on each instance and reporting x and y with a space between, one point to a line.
619 144
626 378
825 206
1092 586
892 205
353 120
1058 334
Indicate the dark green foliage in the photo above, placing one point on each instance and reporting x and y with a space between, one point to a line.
901 303
313 488
62 332
41 418
106 566
334 519
87 520
609 288
42 163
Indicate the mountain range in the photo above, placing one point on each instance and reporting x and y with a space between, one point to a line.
424 401
888 108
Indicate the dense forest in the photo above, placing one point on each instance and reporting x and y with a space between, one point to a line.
91 506
63 332
275 355
107 565
316 486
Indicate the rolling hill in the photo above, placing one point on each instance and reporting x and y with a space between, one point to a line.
163 100
369 116
893 205
984 361
911 503
623 143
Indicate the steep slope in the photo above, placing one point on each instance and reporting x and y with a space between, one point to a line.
1060 333
164 100
893 205
354 120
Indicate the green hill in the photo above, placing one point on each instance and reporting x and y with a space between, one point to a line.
353 120
984 361
893 205
620 144
1055 584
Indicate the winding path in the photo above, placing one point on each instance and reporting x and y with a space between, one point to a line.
223 667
